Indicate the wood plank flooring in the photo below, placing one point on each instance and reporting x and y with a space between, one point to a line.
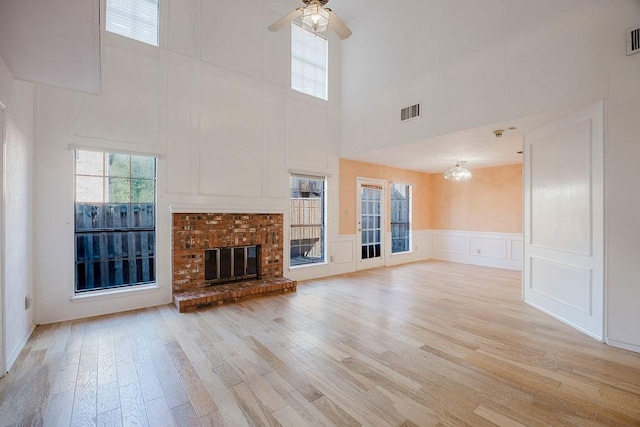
422 344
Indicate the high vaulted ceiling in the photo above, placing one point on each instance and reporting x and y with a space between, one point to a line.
474 66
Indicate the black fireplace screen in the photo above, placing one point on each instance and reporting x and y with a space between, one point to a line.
223 265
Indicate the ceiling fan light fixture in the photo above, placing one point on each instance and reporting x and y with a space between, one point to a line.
315 18
458 173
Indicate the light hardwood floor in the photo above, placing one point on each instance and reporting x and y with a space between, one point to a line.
429 343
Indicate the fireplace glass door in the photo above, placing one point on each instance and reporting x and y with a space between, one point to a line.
231 264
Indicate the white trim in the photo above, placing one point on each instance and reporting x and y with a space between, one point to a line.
565 321
18 350
309 265
4 365
309 174
195 209
73 147
90 296
421 241
623 345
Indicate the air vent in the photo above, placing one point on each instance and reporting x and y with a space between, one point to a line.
410 112
633 41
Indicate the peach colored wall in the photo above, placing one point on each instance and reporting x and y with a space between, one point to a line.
350 170
490 201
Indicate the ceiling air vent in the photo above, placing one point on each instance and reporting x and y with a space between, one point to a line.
410 112
633 41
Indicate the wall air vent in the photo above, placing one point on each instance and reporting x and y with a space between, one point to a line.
633 41
410 112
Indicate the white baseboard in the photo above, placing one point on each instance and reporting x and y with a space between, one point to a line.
624 345
14 355
565 321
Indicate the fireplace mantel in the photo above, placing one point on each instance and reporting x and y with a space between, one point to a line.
210 209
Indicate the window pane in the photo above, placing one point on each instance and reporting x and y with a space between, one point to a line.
143 191
143 167
307 220
400 218
89 216
308 62
117 216
143 215
109 252
89 163
119 190
136 19
89 189
88 246
119 165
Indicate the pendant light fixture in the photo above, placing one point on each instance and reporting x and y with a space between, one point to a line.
315 18
458 173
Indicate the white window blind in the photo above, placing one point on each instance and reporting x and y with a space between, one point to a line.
136 19
308 62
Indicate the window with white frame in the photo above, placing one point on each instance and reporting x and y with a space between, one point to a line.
135 19
308 220
115 203
400 218
309 58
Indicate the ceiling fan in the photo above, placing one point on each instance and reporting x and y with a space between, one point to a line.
315 18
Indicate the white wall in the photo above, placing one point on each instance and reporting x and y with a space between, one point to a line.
622 148
215 102
18 98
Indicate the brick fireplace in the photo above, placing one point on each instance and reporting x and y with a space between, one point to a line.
196 233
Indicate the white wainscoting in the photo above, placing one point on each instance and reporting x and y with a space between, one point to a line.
340 260
420 249
500 250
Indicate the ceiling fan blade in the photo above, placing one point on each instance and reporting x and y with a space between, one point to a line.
336 24
280 23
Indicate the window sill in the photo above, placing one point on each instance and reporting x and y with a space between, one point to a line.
401 253
302 266
114 293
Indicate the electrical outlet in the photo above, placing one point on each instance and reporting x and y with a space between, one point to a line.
478 251
416 248
27 302
330 258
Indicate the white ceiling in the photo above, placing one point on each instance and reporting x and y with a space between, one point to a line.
431 39
56 42
478 147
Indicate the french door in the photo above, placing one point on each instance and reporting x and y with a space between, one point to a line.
370 223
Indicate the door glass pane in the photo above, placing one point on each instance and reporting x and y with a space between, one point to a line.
370 222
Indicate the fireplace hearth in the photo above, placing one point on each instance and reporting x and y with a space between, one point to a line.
225 257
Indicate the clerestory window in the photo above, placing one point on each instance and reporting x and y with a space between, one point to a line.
135 19
309 62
